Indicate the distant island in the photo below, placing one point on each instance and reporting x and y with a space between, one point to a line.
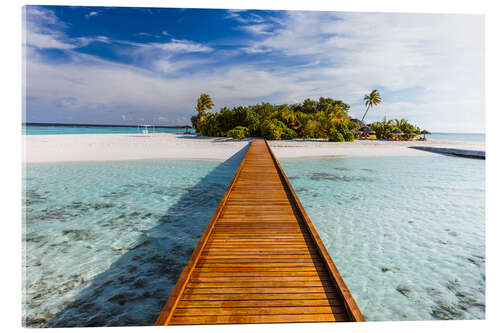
325 118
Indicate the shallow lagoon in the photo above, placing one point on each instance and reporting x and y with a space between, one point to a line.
105 242
407 233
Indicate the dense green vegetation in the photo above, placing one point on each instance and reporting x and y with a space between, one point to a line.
311 119
383 129
325 118
239 132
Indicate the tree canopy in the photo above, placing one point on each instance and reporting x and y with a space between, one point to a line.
325 118
309 119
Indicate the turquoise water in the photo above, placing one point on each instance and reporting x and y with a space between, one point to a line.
458 137
37 130
104 243
406 233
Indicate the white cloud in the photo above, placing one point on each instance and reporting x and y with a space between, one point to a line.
236 14
43 29
182 46
258 29
435 63
41 16
104 90
441 56
46 41
92 13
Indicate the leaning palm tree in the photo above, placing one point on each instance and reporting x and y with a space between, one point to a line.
203 103
371 100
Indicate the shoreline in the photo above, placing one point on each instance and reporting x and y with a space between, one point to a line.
69 148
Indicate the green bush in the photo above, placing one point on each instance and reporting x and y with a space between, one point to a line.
274 129
239 132
342 129
269 130
335 135
353 125
349 136
289 134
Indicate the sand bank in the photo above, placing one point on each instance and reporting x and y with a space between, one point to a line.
122 147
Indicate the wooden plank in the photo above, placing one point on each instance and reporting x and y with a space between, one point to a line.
218 279
257 257
257 319
255 284
272 310
258 260
352 308
168 309
261 269
259 296
282 275
259 303
256 290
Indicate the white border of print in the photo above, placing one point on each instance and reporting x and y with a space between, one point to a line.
11 150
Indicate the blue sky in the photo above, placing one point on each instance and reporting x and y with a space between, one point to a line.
111 65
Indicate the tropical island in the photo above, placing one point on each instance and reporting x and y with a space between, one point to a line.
325 118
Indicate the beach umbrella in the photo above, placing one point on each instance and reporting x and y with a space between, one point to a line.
366 130
397 131
186 127
424 132
355 132
409 133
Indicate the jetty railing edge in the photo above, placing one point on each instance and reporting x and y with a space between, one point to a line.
351 305
169 307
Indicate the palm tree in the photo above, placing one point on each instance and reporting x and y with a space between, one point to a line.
203 103
402 123
371 100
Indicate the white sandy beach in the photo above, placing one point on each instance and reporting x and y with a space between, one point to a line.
122 147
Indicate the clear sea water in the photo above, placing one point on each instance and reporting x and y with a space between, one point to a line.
464 137
47 129
406 233
105 242
37 130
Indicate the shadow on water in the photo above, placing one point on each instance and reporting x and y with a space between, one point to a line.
133 290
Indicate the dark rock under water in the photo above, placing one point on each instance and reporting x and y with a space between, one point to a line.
404 290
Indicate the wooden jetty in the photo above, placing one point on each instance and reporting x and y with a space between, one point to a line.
259 260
